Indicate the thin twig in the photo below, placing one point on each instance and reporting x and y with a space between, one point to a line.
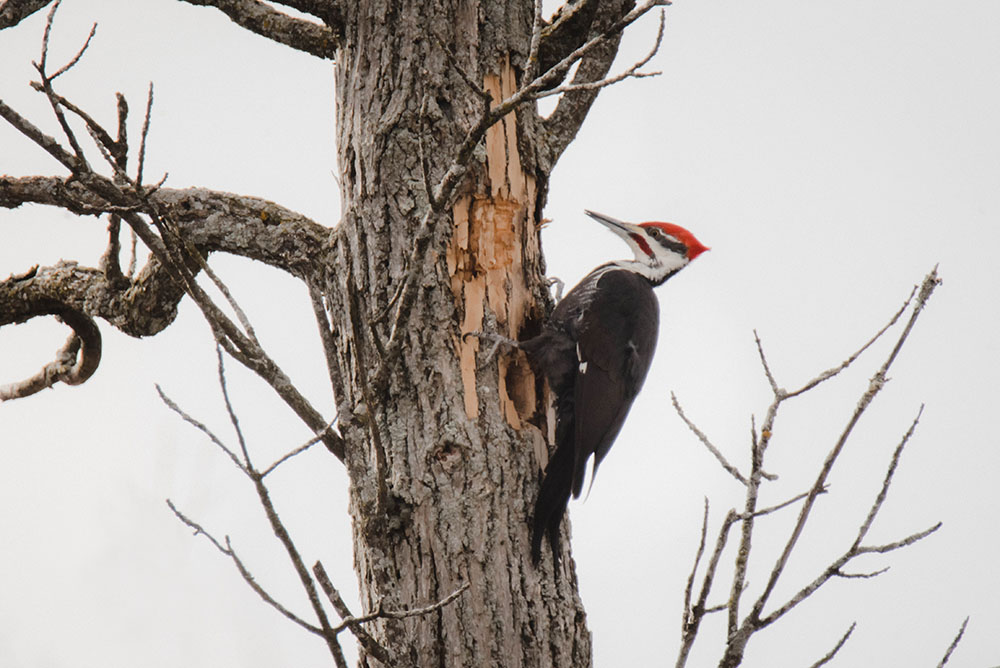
479 91
954 644
228 550
302 448
223 387
326 337
531 67
887 481
862 576
830 373
767 369
103 138
631 73
401 614
694 568
79 54
784 504
895 545
732 470
144 135
836 648
202 428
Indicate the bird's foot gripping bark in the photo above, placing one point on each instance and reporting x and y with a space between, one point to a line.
497 339
558 284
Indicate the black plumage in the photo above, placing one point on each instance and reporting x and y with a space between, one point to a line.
595 351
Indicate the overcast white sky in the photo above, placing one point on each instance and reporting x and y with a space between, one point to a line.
830 153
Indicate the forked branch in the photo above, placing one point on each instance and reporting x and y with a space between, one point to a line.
176 259
741 627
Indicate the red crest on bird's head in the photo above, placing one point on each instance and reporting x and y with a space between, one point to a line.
694 247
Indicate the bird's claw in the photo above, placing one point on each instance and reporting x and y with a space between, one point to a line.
498 340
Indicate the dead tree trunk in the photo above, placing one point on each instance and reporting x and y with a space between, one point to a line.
444 459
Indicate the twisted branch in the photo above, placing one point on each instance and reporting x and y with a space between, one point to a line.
260 18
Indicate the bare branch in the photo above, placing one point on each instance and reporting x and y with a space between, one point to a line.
836 568
173 259
446 187
50 94
784 504
210 220
326 337
694 568
732 470
79 54
381 613
299 450
266 21
103 139
954 644
531 67
47 143
476 88
13 12
767 369
895 545
836 648
75 362
248 577
630 73
739 631
367 641
861 576
877 381
223 288
887 481
144 134
202 428
830 373
329 11
692 622
233 420
568 31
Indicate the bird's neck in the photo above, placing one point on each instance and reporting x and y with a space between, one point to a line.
656 274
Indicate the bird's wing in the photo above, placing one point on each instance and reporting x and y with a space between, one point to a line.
615 345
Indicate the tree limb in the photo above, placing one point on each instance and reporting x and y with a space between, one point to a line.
212 220
179 255
562 125
262 19
329 11
75 362
13 12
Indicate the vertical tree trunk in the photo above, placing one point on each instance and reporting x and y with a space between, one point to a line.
444 458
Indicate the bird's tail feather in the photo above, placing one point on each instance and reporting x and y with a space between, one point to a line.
551 503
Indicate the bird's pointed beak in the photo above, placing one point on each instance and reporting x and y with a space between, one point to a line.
619 227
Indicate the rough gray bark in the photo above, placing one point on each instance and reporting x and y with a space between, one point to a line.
443 457
443 465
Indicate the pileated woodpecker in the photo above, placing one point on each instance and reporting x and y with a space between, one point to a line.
595 350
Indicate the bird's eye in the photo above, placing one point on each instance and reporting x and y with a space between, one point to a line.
655 231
